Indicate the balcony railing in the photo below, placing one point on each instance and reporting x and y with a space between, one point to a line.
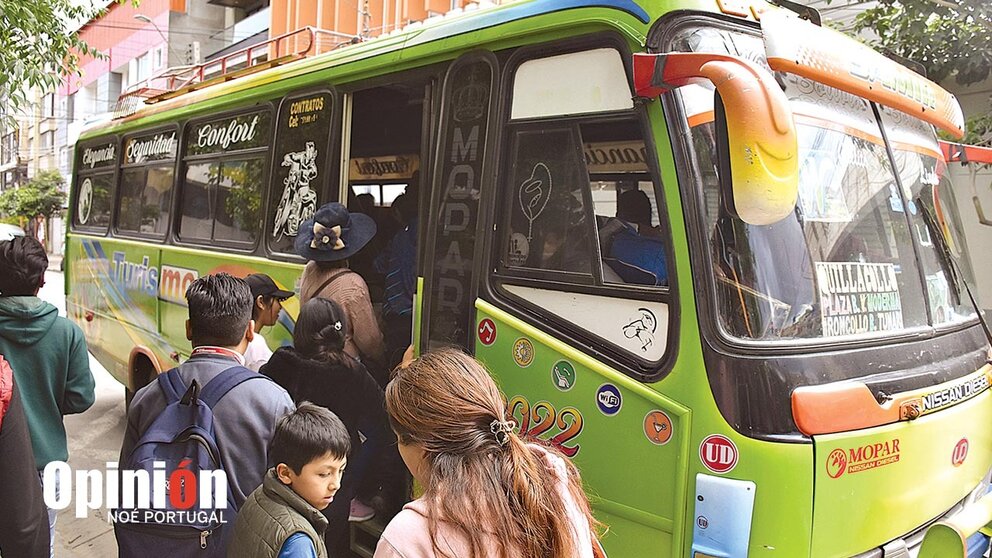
176 81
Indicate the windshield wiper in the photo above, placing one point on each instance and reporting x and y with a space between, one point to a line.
951 264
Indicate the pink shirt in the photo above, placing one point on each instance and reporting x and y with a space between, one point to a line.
407 535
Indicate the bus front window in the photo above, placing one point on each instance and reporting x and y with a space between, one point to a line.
854 259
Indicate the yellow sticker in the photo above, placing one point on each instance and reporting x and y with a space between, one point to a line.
523 352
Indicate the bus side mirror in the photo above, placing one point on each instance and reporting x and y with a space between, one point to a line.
754 119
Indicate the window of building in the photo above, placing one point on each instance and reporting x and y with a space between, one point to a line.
47 143
48 106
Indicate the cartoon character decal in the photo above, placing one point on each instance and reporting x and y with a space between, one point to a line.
642 328
298 202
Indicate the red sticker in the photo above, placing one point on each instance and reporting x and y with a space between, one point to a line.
718 453
487 332
960 452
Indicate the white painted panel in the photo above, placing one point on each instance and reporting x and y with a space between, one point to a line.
637 326
575 83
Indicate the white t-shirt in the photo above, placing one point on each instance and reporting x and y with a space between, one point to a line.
257 353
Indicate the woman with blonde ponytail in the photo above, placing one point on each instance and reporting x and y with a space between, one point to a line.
487 493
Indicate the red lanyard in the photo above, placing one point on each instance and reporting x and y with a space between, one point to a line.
218 351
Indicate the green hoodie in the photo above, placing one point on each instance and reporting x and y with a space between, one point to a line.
51 367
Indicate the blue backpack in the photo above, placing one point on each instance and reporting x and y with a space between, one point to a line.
182 436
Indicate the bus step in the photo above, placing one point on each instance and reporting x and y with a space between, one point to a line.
365 535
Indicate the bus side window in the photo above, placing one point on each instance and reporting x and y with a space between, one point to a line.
94 185
582 240
222 187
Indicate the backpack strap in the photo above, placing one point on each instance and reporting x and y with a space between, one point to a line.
172 385
224 382
330 280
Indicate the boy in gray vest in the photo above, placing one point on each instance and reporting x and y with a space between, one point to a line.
282 517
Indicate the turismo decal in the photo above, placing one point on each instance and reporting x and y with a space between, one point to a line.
960 452
487 332
174 281
608 399
862 458
542 420
132 276
718 453
858 298
523 352
642 327
563 375
658 427
299 201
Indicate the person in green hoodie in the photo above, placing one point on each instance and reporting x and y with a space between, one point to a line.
47 352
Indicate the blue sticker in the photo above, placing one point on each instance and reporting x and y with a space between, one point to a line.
608 399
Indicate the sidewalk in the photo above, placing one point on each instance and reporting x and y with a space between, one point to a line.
55 262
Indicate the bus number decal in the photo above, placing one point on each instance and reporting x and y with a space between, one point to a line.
540 419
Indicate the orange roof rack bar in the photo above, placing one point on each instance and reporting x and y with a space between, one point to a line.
176 81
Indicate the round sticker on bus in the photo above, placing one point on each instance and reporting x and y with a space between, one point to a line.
608 399
658 427
523 352
487 332
718 453
563 375
960 452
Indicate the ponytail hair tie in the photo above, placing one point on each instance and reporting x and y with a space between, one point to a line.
502 429
337 325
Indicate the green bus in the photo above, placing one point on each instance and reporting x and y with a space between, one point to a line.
708 248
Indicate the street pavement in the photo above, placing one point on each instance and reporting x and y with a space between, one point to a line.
94 439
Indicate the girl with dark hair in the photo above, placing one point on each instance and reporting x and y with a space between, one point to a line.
317 369
487 493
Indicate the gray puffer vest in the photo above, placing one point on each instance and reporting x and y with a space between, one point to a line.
270 515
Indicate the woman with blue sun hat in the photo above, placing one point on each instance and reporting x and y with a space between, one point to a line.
327 240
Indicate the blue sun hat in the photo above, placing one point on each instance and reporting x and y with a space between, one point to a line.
334 234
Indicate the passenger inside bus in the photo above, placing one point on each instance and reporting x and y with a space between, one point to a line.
631 246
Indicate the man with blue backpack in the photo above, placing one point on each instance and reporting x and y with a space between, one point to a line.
209 414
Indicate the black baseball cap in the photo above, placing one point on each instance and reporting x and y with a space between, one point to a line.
263 285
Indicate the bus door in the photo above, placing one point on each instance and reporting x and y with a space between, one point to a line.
383 142
563 295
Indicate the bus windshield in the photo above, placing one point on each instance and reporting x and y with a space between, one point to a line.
856 258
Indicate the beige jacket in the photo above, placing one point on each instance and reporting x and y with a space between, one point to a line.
364 338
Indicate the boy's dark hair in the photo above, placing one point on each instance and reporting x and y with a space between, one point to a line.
219 309
306 434
23 261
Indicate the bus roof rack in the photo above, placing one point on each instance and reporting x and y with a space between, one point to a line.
176 81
